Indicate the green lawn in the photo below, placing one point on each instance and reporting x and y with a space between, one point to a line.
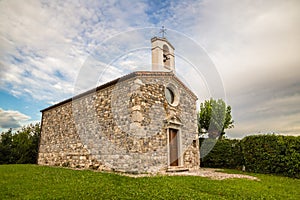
38 182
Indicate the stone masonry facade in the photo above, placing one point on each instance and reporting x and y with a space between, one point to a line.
122 126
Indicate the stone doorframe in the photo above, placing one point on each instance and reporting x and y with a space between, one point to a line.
174 123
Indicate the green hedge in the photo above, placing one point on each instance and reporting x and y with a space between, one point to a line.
268 154
272 154
225 154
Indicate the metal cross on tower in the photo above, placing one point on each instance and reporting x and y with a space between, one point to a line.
163 31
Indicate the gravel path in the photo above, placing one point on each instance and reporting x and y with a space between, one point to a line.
214 174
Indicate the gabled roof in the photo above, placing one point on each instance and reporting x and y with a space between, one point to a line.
163 39
128 76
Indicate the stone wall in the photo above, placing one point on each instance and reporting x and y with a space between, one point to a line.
122 126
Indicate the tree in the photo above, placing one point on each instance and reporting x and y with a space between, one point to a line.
5 147
20 147
214 117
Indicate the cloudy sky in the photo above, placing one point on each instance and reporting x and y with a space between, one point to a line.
245 51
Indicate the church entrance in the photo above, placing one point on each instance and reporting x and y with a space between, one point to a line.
173 147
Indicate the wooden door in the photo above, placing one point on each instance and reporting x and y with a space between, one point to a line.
173 146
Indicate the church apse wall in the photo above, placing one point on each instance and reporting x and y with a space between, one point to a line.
142 122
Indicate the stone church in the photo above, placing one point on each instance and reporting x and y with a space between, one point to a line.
142 122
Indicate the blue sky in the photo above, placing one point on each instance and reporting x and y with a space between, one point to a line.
46 46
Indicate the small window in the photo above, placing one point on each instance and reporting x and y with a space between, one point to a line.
194 143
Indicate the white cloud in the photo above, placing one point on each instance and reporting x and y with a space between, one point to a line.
44 44
254 45
12 119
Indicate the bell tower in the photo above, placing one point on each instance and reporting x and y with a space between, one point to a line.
162 54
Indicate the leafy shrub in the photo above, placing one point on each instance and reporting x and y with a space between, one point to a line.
274 154
268 154
225 154
20 147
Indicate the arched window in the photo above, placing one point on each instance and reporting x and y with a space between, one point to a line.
172 94
169 95
166 55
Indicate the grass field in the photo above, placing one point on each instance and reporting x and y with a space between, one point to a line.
38 182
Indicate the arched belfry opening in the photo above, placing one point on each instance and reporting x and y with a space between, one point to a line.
162 55
166 56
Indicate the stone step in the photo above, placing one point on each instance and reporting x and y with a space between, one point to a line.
177 169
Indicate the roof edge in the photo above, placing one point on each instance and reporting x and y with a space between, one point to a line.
162 39
113 82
